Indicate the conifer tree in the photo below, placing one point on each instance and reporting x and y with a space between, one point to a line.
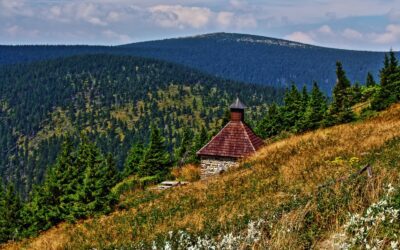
390 80
301 124
271 124
10 213
88 158
200 139
155 159
355 94
183 151
316 108
370 82
52 201
292 108
100 176
133 159
340 109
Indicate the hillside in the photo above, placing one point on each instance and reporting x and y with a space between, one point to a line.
111 99
297 193
247 58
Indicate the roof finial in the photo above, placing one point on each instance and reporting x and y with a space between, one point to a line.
237 104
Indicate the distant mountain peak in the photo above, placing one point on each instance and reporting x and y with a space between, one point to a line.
246 38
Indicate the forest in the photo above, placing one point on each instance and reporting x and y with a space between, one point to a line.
112 100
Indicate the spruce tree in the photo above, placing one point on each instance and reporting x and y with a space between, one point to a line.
390 79
355 94
292 110
10 213
133 160
316 108
370 82
155 159
183 151
88 158
95 194
271 124
52 201
301 124
200 139
340 109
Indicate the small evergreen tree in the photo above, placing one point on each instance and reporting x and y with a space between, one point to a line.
355 94
133 160
10 213
200 139
370 82
316 108
95 194
292 110
182 153
390 80
155 159
271 124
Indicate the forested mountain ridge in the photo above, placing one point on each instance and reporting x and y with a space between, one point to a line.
241 57
112 100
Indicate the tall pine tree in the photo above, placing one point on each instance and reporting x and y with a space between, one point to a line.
340 110
316 108
390 81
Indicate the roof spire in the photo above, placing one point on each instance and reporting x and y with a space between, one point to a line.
237 104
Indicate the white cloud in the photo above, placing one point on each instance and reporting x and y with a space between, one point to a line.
15 8
15 31
325 29
352 34
75 12
179 16
301 37
116 37
390 36
225 19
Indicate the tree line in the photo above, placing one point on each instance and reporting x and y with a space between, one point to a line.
307 110
80 182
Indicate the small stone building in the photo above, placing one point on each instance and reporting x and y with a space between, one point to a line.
236 140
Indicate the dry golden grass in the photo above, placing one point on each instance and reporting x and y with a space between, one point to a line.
188 172
281 171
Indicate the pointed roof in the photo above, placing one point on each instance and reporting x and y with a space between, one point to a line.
235 140
237 104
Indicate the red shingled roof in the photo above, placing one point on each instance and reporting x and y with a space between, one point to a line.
236 140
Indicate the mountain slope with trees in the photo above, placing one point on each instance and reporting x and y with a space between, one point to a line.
247 58
113 100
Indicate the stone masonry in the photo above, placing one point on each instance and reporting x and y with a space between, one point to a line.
213 165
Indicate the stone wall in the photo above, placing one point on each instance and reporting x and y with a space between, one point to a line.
213 165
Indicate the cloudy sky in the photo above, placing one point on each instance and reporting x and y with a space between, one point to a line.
349 24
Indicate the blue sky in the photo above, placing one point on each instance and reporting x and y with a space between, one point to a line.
348 24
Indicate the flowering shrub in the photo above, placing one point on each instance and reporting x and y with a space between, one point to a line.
378 227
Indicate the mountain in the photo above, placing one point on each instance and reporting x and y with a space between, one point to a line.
302 192
247 58
113 100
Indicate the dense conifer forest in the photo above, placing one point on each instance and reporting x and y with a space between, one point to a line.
113 100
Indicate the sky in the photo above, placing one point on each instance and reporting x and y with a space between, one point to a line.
348 24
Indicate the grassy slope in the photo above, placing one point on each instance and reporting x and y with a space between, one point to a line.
281 184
